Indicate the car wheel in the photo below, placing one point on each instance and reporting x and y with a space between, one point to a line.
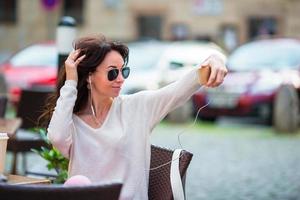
181 114
286 110
208 119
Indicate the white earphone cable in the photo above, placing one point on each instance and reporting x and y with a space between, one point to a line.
178 137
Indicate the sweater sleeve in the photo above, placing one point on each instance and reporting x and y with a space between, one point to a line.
158 103
61 125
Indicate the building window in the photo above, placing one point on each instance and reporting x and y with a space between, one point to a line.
179 31
149 27
112 4
8 11
74 8
262 27
229 37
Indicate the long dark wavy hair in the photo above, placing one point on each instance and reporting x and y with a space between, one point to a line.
95 48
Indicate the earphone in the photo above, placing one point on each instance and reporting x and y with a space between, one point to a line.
203 74
91 104
90 79
133 156
178 138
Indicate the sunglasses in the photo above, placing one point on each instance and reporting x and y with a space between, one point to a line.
114 73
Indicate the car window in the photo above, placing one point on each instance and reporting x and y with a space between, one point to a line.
176 65
36 56
262 55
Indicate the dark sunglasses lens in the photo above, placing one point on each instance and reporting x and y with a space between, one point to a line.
125 72
112 74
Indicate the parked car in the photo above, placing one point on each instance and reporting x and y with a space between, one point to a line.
263 81
4 56
37 65
180 57
143 61
155 64
34 65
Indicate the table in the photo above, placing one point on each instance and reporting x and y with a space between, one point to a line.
24 180
10 126
19 142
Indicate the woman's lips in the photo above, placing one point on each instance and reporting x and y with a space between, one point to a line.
116 88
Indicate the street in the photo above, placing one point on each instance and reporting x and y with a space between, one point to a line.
233 162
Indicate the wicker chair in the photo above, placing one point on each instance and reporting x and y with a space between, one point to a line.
31 105
159 182
59 192
29 109
3 95
159 179
3 105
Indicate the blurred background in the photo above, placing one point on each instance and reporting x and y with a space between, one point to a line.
227 22
245 141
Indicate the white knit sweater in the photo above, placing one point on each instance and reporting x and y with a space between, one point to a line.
118 151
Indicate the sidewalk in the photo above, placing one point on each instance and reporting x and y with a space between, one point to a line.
244 165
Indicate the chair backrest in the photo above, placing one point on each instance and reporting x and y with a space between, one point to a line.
3 105
159 179
3 95
59 192
31 105
3 84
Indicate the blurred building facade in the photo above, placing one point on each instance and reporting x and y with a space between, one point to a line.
227 22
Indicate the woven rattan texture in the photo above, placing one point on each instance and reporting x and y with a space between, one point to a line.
59 192
159 179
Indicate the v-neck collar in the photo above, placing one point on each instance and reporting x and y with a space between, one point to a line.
104 122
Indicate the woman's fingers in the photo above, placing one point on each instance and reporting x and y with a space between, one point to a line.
79 60
72 55
212 77
76 54
73 60
218 70
219 79
71 64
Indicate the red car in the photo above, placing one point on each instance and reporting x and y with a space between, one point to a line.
263 81
34 65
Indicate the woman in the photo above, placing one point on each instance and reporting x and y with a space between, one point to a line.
107 136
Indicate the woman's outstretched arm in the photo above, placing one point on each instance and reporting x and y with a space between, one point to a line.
158 103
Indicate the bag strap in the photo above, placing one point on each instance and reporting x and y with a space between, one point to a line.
176 183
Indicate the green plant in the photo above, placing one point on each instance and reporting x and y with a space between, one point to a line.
55 159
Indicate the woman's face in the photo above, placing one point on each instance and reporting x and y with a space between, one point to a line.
99 80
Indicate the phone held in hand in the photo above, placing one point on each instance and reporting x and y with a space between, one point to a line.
203 74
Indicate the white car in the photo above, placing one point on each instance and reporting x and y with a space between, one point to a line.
155 64
143 61
178 59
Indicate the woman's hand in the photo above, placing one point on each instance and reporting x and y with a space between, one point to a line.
71 65
218 70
